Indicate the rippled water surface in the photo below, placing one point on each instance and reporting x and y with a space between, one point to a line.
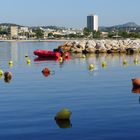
102 103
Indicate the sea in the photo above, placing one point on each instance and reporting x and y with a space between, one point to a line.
103 102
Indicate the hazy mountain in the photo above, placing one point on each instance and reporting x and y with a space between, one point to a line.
127 25
130 25
9 24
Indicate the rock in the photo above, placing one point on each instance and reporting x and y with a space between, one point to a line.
90 50
102 46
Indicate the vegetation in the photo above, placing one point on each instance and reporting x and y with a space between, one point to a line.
39 33
3 31
96 34
129 30
87 32
50 35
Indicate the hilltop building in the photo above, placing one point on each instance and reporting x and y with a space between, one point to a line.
92 22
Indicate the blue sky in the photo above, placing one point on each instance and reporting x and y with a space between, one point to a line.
69 13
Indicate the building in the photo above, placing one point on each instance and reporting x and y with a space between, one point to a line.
92 22
14 32
24 29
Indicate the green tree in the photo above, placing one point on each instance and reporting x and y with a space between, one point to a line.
96 34
111 34
55 35
39 33
87 32
123 34
50 35
134 35
3 31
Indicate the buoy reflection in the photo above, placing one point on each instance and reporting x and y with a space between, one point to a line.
63 123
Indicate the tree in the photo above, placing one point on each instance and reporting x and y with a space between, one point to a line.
87 32
134 35
96 34
50 35
39 33
123 34
3 31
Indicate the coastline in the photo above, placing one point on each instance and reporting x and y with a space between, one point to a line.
48 40
61 40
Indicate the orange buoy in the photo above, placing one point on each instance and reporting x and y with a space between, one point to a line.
136 82
46 72
7 76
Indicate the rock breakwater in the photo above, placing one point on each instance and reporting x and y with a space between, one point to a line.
102 46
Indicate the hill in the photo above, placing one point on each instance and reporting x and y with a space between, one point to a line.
127 25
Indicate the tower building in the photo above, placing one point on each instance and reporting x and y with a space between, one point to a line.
92 22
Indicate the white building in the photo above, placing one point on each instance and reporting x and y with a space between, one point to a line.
24 29
92 22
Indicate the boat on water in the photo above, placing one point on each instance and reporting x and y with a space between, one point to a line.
50 54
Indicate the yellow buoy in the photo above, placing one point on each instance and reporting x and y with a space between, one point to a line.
10 62
135 61
28 61
1 73
60 59
125 62
91 66
63 114
104 64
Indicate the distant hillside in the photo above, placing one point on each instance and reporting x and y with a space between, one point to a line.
127 25
9 24
54 27
130 25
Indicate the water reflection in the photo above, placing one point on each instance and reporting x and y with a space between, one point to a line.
9 51
7 80
136 90
39 59
63 123
14 51
104 57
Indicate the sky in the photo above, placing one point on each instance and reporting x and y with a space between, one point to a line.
69 13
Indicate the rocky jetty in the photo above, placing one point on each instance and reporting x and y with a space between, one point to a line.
102 46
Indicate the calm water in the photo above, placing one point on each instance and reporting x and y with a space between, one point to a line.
102 104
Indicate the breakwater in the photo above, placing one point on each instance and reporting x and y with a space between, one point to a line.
102 46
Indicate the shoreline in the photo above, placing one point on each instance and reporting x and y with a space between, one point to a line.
49 40
63 40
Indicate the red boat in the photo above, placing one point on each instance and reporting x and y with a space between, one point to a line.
44 53
50 54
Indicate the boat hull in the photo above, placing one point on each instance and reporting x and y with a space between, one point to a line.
48 54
